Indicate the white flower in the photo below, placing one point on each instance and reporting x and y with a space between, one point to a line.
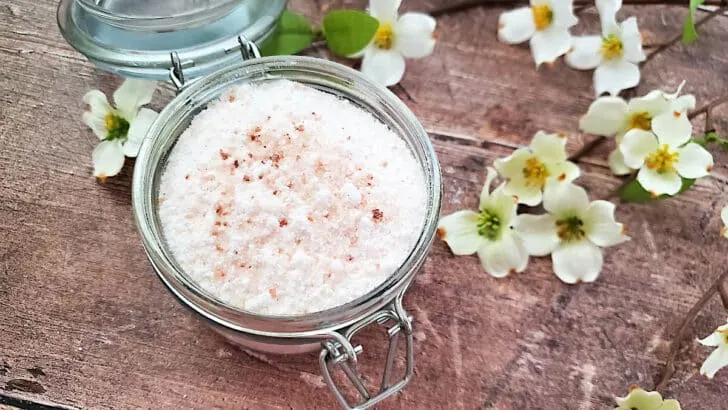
719 358
488 232
615 54
724 218
121 129
411 35
545 22
613 116
664 154
529 169
572 231
638 399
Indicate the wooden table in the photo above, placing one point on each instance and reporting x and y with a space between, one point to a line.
86 323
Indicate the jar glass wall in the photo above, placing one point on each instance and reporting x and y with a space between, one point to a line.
325 76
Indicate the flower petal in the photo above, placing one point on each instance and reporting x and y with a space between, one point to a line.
579 261
717 360
385 67
485 192
636 145
97 102
565 199
538 233
563 172
516 26
504 205
507 255
563 13
548 147
384 10
138 131
600 226
672 128
659 183
714 339
96 123
640 399
132 94
460 231
616 163
632 41
694 161
549 44
684 103
613 76
724 219
525 194
513 164
414 35
608 15
652 104
584 54
108 159
606 116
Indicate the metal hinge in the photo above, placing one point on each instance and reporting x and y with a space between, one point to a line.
248 50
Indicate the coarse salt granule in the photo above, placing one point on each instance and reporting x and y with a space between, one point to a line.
280 199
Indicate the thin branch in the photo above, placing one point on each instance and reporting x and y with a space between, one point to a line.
709 106
678 37
467 5
681 333
587 148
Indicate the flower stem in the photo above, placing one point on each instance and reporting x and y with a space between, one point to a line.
587 148
716 287
709 106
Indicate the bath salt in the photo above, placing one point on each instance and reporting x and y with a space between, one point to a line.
280 199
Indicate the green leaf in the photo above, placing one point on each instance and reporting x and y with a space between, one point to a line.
293 34
348 31
689 34
633 192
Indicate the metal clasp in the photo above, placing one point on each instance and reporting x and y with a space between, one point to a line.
338 352
248 50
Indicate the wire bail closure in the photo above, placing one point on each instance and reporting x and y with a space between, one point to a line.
248 51
338 352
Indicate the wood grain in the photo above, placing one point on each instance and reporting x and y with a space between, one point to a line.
85 322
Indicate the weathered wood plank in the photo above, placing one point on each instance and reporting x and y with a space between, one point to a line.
81 304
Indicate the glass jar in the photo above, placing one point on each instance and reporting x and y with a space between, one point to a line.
334 328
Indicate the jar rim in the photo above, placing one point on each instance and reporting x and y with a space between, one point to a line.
171 122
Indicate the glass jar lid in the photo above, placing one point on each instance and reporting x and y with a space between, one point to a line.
136 38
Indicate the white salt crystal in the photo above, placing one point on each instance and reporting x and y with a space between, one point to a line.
281 199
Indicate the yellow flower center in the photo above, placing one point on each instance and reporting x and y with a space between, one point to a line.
662 160
640 120
611 47
116 127
384 37
570 229
535 173
542 16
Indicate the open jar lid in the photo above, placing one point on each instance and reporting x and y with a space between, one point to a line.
136 38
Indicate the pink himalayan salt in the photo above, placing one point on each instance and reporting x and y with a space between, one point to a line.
281 200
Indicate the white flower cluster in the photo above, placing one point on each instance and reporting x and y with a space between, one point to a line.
573 229
614 55
653 135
